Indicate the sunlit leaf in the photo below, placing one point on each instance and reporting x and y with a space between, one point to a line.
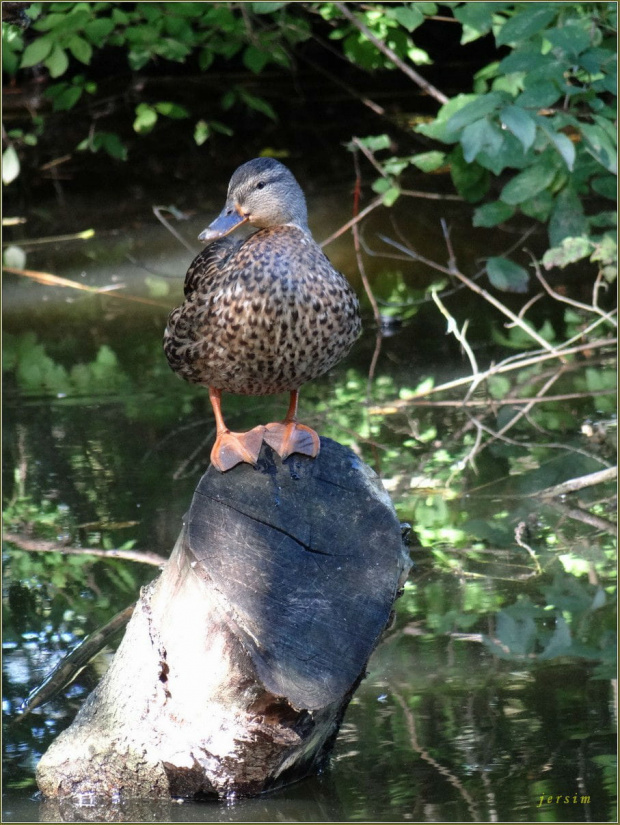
57 62
14 256
10 165
36 52
146 118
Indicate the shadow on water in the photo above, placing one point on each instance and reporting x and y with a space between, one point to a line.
103 447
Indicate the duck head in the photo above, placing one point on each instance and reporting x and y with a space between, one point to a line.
263 193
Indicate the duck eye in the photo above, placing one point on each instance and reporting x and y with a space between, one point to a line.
260 184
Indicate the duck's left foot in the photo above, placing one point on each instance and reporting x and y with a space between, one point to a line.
288 437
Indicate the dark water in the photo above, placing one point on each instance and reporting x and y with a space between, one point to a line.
103 447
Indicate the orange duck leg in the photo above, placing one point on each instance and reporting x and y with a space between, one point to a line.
289 436
231 448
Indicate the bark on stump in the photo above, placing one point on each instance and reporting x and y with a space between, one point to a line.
241 658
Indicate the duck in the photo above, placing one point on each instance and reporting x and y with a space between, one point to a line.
262 314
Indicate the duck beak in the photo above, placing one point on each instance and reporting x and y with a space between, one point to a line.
225 223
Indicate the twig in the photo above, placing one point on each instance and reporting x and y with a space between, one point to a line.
540 396
426 756
48 279
520 531
392 407
577 514
389 53
369 156
473 286
77 236
40 546
431 196
74 662
460 337
366 101
570 301
356 244
508 365
157 211
354 220
574 484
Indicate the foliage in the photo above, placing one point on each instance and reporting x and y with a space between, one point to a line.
69 38
542 118
538 124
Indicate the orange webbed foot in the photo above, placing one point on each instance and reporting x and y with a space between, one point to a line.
231 448
289 437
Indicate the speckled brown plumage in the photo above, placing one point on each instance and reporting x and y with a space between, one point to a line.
266 314
263 316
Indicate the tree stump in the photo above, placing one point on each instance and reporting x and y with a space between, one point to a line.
240 659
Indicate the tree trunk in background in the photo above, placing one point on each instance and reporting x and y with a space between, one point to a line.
241 658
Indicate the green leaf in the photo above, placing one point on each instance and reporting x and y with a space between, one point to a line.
391 195
201 132
474 110
606 185
36 52
530 182
508 154
507 275
67 98
477 18
171 110
567 218
520 123
569 251
523 60
601 146
81 49
525 23
565 147
257 103
572 38
539 207
146 118
407 15
374 143
57 62
480 136
266 8
10 165
112 144
255 59
560 642
15 257
429 161
437 128
172 49
493 213
541 96
470 179
97 30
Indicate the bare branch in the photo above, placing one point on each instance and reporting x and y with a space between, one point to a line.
354 220
574 484
391 55
40 546
570 301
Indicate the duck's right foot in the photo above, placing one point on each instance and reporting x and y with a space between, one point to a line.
231 449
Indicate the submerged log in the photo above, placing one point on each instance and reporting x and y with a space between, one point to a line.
240 659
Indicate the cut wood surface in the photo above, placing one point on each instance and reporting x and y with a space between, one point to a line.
241 658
